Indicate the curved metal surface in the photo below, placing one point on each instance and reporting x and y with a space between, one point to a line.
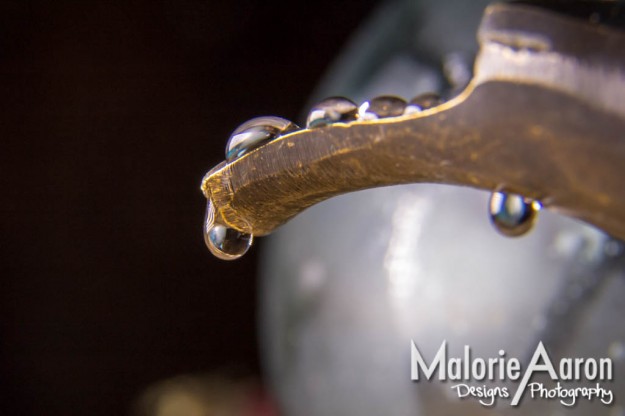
542 117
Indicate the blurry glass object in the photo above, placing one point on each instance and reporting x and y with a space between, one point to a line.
349 283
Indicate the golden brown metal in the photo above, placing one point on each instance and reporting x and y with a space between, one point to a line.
543 117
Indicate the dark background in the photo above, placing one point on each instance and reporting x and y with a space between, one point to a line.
111 112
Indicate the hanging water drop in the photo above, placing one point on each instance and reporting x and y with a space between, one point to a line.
332 110
382 107
226 243
255 132
423 102
512 215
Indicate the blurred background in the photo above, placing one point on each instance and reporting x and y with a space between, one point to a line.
111 112
111 304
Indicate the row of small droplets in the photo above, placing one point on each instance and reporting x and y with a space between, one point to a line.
512 214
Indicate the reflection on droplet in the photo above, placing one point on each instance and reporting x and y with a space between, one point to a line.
513 215
255 132
382 107
226 243
423 102
332 110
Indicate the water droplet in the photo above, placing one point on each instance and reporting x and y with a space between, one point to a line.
382 107
255 132
423 102
513 215
332 110
226 243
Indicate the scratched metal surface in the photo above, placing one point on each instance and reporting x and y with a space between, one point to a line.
541 112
